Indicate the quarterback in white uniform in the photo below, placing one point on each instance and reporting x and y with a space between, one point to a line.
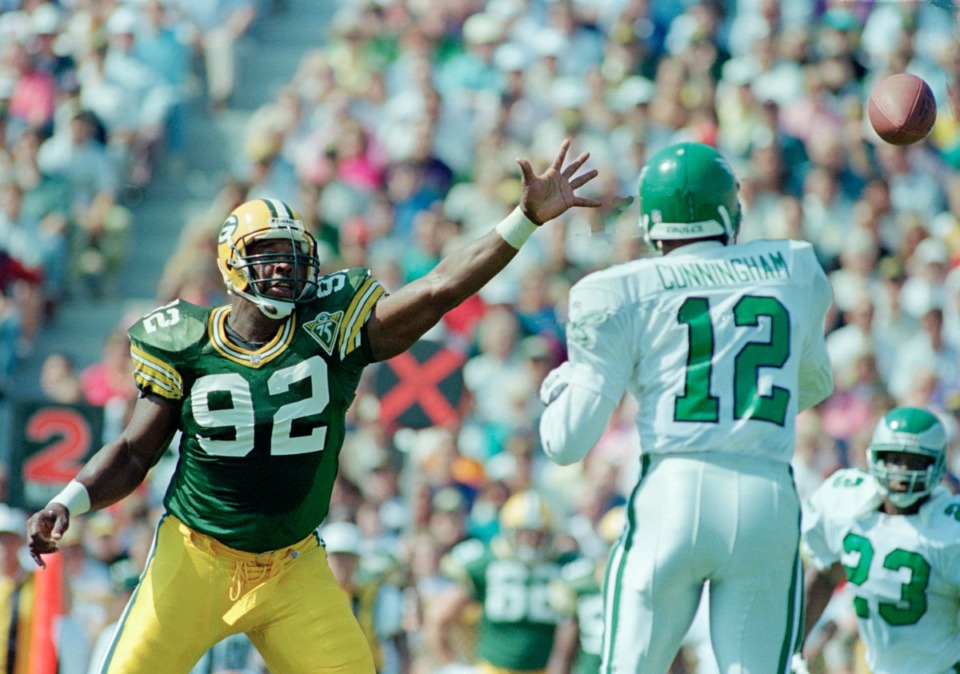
721 345
895 533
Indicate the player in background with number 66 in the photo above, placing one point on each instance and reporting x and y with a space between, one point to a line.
510 578
721 344
259 391
894 531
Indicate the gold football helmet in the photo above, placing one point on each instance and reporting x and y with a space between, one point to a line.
525 525
611 524
260 220
525 510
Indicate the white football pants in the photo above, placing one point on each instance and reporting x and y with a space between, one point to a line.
732 520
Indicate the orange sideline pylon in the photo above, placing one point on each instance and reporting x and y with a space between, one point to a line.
48 606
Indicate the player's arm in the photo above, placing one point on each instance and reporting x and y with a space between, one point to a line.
566 642
582 393
818 587
573 422
110 474
401 318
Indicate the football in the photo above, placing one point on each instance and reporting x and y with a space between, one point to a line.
902 109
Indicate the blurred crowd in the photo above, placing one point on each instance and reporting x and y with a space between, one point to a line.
396 137
92 94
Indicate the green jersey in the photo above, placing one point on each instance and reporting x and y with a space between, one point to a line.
517 625
261 430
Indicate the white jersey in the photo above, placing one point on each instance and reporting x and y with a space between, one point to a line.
720 345
903 571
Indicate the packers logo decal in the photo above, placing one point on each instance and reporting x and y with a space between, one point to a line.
227 229
324 329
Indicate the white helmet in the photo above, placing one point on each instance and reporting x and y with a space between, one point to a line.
342 537
908 430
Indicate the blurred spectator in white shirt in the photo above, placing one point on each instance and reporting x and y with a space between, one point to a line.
219 25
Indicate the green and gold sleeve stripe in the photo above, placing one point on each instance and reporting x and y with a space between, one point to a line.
152 374
357 314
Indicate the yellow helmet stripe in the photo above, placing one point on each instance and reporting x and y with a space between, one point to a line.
156 375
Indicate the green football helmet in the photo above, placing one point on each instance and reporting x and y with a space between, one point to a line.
688 191
913 431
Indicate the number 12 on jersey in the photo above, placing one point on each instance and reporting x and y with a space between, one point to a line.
698 402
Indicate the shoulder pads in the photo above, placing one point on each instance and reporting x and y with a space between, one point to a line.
172 328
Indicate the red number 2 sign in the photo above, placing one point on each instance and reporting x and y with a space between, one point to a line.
66 436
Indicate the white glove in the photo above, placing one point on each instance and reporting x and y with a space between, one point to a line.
798 665
457 668
555 382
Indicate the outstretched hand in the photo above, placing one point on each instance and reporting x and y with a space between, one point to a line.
45 529
553 192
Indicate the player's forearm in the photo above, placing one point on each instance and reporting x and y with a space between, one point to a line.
121 465
573 423
112 474
818 588
404 317
466 270
565 646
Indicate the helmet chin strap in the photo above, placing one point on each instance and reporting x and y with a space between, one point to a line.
274 309
903 500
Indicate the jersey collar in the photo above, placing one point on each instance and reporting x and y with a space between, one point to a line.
694 248
217 331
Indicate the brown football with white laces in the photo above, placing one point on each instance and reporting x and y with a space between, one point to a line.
902 109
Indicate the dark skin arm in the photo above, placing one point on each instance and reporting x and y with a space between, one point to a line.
400 319
818 587
113 472
565 645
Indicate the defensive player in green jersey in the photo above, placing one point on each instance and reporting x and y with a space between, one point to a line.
258 391
510 578
894 533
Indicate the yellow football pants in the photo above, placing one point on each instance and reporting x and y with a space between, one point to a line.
196 591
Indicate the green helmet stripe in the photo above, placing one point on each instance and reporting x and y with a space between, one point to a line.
270 207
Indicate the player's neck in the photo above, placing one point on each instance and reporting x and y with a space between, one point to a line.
668 246
250 324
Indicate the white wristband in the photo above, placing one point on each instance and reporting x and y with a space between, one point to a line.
74 498
516 228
